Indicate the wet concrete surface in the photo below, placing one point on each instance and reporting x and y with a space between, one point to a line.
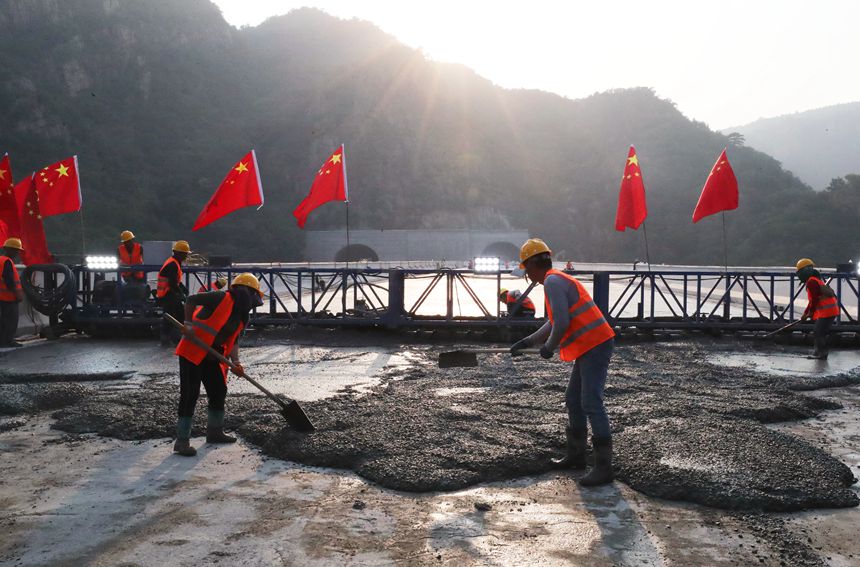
685 429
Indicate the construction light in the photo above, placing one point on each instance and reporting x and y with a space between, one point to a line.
487 264
102 263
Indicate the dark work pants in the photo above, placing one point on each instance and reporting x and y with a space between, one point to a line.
191 376
822 328
8 321
584 394
175 308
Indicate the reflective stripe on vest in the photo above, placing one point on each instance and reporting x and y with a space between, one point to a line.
164 283
133 258
587 327
827 306
511 300
7 294
206 330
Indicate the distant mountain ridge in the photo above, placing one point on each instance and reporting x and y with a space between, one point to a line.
159 97
816 145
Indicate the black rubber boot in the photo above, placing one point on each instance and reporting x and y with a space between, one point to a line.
215 428
602 471
575 458
183 438
183 447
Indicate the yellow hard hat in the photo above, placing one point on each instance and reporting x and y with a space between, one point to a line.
181 246
126 236
803 262
221 283
503 292
532 247
13 243
248 280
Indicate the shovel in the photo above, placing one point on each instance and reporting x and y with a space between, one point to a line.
468 358
290 409
781 329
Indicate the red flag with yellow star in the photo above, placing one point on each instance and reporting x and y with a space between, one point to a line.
9 225
632 209
329 185
59 188
241 188
720 192
32 231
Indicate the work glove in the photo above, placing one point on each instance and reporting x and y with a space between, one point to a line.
187 330
521 344
546 352
238 369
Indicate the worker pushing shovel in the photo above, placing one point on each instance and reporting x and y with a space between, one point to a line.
214 319
578 329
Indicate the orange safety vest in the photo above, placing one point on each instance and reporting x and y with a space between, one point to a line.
206 330
164 283
827 306
6 294
587 329
511 300
133 258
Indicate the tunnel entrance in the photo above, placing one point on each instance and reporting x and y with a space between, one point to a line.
505 251
356 253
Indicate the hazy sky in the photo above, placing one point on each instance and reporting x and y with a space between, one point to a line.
724 62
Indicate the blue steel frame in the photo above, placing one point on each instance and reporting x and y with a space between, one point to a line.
740 300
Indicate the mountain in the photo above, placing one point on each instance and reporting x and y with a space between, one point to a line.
158 97
817 145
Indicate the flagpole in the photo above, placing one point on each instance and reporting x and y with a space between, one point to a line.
346 194
725 246
83 236
647 253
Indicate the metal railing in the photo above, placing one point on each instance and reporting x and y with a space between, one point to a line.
394 298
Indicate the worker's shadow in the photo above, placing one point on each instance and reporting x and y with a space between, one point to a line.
624 540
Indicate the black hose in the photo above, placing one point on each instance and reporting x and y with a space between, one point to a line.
49 301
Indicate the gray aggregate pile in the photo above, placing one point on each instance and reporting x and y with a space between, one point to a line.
684 429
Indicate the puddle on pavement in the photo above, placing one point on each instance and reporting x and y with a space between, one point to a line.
446 392
791 364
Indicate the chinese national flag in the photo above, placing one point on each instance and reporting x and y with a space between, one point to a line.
632 209
241 188
9 225
329 185
32 231
720 192
59 188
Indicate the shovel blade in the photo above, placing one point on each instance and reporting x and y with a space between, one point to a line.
296 417
458 359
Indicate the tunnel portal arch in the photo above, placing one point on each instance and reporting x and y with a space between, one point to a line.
356 253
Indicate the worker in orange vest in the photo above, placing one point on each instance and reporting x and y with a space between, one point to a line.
217 285
11 293
823 306
216 318
510 298
576 327
170 293
130 254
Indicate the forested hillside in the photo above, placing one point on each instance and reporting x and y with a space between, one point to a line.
159 97
817 145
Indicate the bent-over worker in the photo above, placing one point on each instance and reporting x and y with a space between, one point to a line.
130 254
823 306
171 293
216 318
11 293
510 298
578 329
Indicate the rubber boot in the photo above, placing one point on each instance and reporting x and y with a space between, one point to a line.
215 428
602 471
575 458
183 438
